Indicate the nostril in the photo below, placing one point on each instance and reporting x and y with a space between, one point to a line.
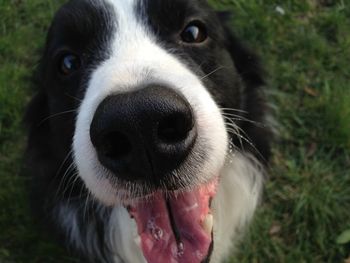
115 145
175 128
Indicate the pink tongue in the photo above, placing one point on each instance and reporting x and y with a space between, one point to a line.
159 243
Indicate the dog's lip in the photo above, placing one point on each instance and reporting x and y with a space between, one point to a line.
184 223
210 252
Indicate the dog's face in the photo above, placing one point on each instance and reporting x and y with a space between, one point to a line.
149 80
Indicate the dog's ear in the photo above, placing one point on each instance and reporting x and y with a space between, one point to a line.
249 67
36 111
37 161
246 61
224 16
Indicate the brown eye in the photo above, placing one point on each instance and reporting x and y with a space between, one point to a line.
194 32
69 64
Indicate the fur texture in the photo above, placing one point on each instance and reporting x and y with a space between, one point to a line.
124 45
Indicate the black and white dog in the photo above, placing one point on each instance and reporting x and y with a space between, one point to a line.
147 131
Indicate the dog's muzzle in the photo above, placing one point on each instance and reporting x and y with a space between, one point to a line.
142 137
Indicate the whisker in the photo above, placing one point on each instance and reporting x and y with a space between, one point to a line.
64 161
199 67
58 172
212 72
235 110
86 208
76 175
72 179
81 192
233 128
236 131
56 115
240 118
239 138
72 97
63 179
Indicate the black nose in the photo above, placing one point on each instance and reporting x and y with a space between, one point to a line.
143 135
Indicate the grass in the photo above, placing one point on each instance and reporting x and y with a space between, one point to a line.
305 46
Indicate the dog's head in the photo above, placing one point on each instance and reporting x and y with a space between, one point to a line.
149 96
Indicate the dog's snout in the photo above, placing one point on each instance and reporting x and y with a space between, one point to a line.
144 135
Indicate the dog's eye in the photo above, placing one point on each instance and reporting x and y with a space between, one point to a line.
69 63
194 32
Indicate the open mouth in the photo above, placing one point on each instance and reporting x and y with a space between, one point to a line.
176 227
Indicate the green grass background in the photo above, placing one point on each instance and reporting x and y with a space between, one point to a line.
306 51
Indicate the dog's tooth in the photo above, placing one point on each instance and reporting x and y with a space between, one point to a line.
137 241
208 224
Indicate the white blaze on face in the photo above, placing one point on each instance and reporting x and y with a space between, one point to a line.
136 60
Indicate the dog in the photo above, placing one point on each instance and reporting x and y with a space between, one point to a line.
147 136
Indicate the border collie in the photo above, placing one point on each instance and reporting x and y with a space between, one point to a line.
147 140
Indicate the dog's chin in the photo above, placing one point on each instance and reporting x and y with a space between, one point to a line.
175 226
173 218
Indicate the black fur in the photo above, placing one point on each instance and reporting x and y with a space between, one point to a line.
241 82
86 29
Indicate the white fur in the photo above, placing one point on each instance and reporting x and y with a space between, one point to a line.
240 188
137 60
241 183
85 240
125 237
238 195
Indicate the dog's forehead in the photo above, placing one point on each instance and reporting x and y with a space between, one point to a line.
87 25
164 11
